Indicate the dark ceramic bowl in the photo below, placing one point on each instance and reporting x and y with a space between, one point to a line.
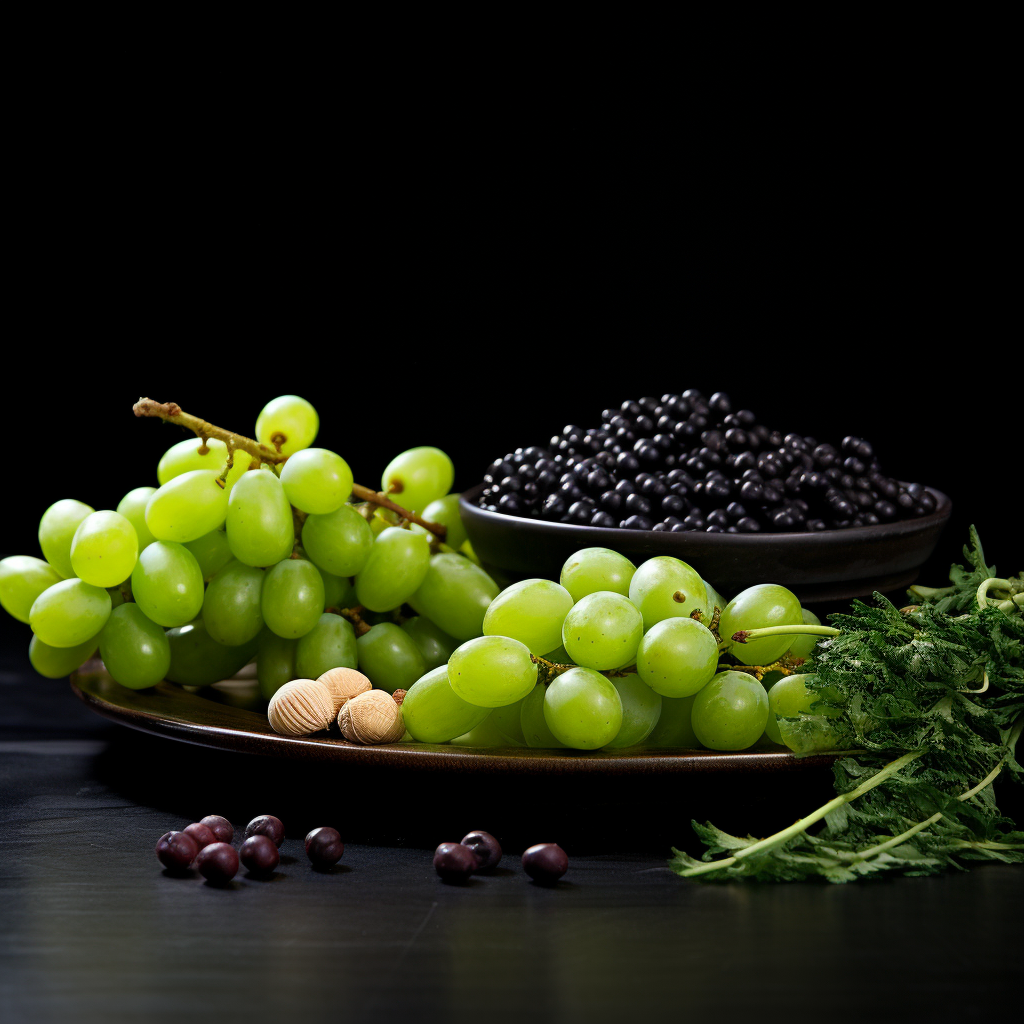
833 565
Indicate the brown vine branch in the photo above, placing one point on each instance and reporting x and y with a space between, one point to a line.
352 615
171 412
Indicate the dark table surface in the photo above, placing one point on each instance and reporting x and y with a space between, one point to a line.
91 928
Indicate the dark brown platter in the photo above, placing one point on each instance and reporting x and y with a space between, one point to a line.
833 565
211 718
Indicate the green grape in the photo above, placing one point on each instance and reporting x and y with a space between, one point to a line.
434 713
445 512
133 507
260 528
641 709
187 506
231 607
803 645
339 591
134 649
809 734
185 456
677 657
167 583
531 612
508 720
395 569
293 597
433 643
212 552
484 735
389 658
771 727
582 708
317 480
417 477
674 728
331 643
57 530
665 588
198 660
104 549
766 604
275 662
532 722
288 421
22 579
69 613
596 569
338 542
455 594
491 671
730 712
58 662
715 600
602 631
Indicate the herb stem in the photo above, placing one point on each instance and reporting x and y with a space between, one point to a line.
804 823
992 581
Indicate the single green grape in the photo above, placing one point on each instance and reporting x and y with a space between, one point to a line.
58 662
194 453
331 643
133 507
766 604
664 588
389 658
104 549
674 728
730 712
532 722
69 613
483 735
445 512
187 506
275 662
259 521
531 612
508 720
293 597
491 671
677 657
339 591
198 660
394 570
417 477
455 594
809 734
22 579
591 570
339 542
582 708
641 709
288 423
57 530
433 643
317 480
231 607
603 631
134 648
803 645
167 583
212 552
434 713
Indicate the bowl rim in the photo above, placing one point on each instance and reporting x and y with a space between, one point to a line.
901 527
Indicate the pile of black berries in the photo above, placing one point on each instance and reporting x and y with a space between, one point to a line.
686 462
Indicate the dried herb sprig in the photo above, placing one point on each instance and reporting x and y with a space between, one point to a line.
932 698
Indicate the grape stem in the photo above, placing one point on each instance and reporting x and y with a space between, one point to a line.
353 616
547 670
171 412
743 636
